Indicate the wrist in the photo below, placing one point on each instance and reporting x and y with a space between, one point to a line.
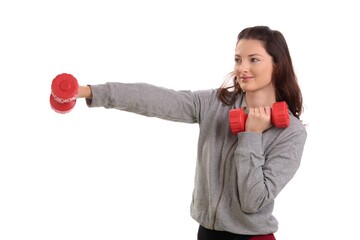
84 92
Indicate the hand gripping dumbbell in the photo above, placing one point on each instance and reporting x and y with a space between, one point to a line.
279 117
64 90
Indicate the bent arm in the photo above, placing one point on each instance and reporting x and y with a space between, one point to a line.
262 176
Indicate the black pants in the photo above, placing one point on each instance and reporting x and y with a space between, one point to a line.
207 234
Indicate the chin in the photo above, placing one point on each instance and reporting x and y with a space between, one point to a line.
245 89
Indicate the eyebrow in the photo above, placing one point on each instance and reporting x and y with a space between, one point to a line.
251 55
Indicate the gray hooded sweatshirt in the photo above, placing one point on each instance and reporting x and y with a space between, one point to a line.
237 176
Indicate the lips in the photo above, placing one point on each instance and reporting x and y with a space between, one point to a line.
245 79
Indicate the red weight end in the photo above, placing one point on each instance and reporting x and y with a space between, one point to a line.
64 88
280 115
237 118
61 107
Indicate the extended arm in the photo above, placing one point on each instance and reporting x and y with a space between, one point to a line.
146 99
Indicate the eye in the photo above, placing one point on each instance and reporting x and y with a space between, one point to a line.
237 60
254 60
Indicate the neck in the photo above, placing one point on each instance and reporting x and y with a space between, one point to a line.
259 99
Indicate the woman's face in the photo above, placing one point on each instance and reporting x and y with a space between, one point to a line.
253 66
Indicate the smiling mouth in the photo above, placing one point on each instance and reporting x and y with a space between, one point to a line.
245 79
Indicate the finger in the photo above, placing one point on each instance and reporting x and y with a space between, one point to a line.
261 110
268 110
251 111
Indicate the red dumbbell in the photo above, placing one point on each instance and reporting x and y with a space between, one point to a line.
279 117
64 90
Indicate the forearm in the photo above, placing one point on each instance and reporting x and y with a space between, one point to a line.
84 92
250 159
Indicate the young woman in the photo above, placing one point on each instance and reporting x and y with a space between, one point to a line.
239 175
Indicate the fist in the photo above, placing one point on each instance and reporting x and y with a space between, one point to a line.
258 120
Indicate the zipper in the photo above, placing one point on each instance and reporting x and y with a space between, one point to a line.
223 183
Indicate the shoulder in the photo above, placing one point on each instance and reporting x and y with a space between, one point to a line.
295 133
296 124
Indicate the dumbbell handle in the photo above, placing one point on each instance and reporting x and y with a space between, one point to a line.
279 117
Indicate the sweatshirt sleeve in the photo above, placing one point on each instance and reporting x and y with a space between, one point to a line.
262 174
148 100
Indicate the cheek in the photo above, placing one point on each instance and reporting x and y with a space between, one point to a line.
267 73
236 67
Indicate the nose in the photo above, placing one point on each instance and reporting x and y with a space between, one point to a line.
242 67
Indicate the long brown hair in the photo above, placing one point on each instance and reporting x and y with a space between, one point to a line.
283 78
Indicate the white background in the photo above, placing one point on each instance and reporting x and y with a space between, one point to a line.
106 174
